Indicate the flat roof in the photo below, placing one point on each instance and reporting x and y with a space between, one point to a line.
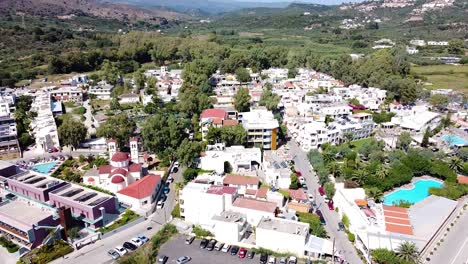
81 195
397 220
21 215
284 226
230 217
253 204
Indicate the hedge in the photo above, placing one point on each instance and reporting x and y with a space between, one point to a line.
10 246
126 218
47 253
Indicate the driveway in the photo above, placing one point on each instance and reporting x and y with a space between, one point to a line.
8 258
343 247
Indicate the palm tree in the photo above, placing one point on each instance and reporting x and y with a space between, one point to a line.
381 173
374 193
408 251
456 164
334 168
359 176
348 137
328 157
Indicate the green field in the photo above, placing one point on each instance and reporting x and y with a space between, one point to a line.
444 76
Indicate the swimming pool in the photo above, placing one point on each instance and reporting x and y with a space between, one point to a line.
414 195
455 140
44 168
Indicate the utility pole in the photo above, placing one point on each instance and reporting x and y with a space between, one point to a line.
333 251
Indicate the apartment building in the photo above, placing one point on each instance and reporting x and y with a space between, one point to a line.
67 94
242 160
262 128
102 90
314 134
43 127
9 145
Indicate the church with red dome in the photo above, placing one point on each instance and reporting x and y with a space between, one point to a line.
123 169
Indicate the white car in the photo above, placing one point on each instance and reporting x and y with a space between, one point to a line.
292 260
160 204
176 164
311 197
225 248
122 251
183 260
302 180
271 260
136 241
143 238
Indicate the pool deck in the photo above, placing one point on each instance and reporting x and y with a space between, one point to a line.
57 165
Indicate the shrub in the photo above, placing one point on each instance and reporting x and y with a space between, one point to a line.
200 232
351 236
47 253
126 218
345 221
316 228
10 246
176 211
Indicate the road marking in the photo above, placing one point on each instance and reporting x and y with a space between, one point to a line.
459 251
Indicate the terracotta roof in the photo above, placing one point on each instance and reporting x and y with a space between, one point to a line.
220 190
217 121
105 169
111 140
299 207
117 179
90 179
297 195
251 192
397 220
462 179
119 171
142 188
361 202
213 113
255 205
230 122
133 139
262 192
240 180
134 167
119 157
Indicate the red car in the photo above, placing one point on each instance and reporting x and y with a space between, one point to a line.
299 174
321 191
242 253
330 205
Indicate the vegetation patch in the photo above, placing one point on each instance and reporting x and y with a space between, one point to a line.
127 217
200 232
10 246
316 228
47 253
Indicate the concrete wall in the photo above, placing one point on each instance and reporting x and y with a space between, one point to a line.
280 242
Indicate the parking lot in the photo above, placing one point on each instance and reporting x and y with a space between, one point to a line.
176 248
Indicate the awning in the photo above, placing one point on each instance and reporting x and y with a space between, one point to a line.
361 202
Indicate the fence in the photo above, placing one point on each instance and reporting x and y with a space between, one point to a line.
120 229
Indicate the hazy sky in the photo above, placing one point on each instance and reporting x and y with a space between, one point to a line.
324 2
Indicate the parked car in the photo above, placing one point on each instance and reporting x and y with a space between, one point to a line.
263 258
203 243
163 198
114 254
211 244
250 255
319 213
304 186
302 180
299 174
310 197
122 251
183 260
330 205
136 241
166 189
225 248
341 226
143 238
176 164
129 246
175 169
283 260
242 253
160 204
170 178
271 260
219 246
162 259
321 191
234 250
189 240
292 260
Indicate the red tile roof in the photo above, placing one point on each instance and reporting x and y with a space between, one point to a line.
255 205
214 113
397 220
240 180
119 171
230 122
251 192
90 179
297 195
142 188
117 179
262 192
134 167
111 140
120 156
462 179
105 169
220 190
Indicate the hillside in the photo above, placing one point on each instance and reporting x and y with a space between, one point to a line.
123 12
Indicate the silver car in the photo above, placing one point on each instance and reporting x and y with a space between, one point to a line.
183 260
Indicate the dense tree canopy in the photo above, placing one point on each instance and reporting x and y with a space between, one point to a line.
118 127
72 132
242 100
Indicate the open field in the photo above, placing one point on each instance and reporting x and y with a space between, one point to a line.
444 76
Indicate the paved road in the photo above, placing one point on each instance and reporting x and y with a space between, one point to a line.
454 249
97 252
8 258
343 247
176 248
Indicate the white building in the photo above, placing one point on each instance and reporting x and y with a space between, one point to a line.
437 43
200 202
254 209
262 128
129 98
242 160
230 227
67 94
276 73
102 90
418 42
140 196
280 235
314 134
411 50
244 184
277 171
43 126
416 119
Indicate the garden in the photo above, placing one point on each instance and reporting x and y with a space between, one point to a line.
47 253
127 217
10 246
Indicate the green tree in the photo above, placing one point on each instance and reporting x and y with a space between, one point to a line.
114 104
334 168
71 132
374 193
242 100
348 136
439 101
242 75
408 251
425 139
227 167
269 100
456 46
381 173
119 127
188 151
109 71
404 141
190 174
456 164
295 184
140 80
329 189
384 256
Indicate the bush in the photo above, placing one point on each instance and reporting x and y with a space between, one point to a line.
450 190
403 204
351 236
316 228
268 252
200 232
47 253
176 211
126 218
190 174
345 221
10 246
79 111
295 184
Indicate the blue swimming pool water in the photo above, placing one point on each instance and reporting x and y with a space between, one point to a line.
44 168
455 140
414 195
